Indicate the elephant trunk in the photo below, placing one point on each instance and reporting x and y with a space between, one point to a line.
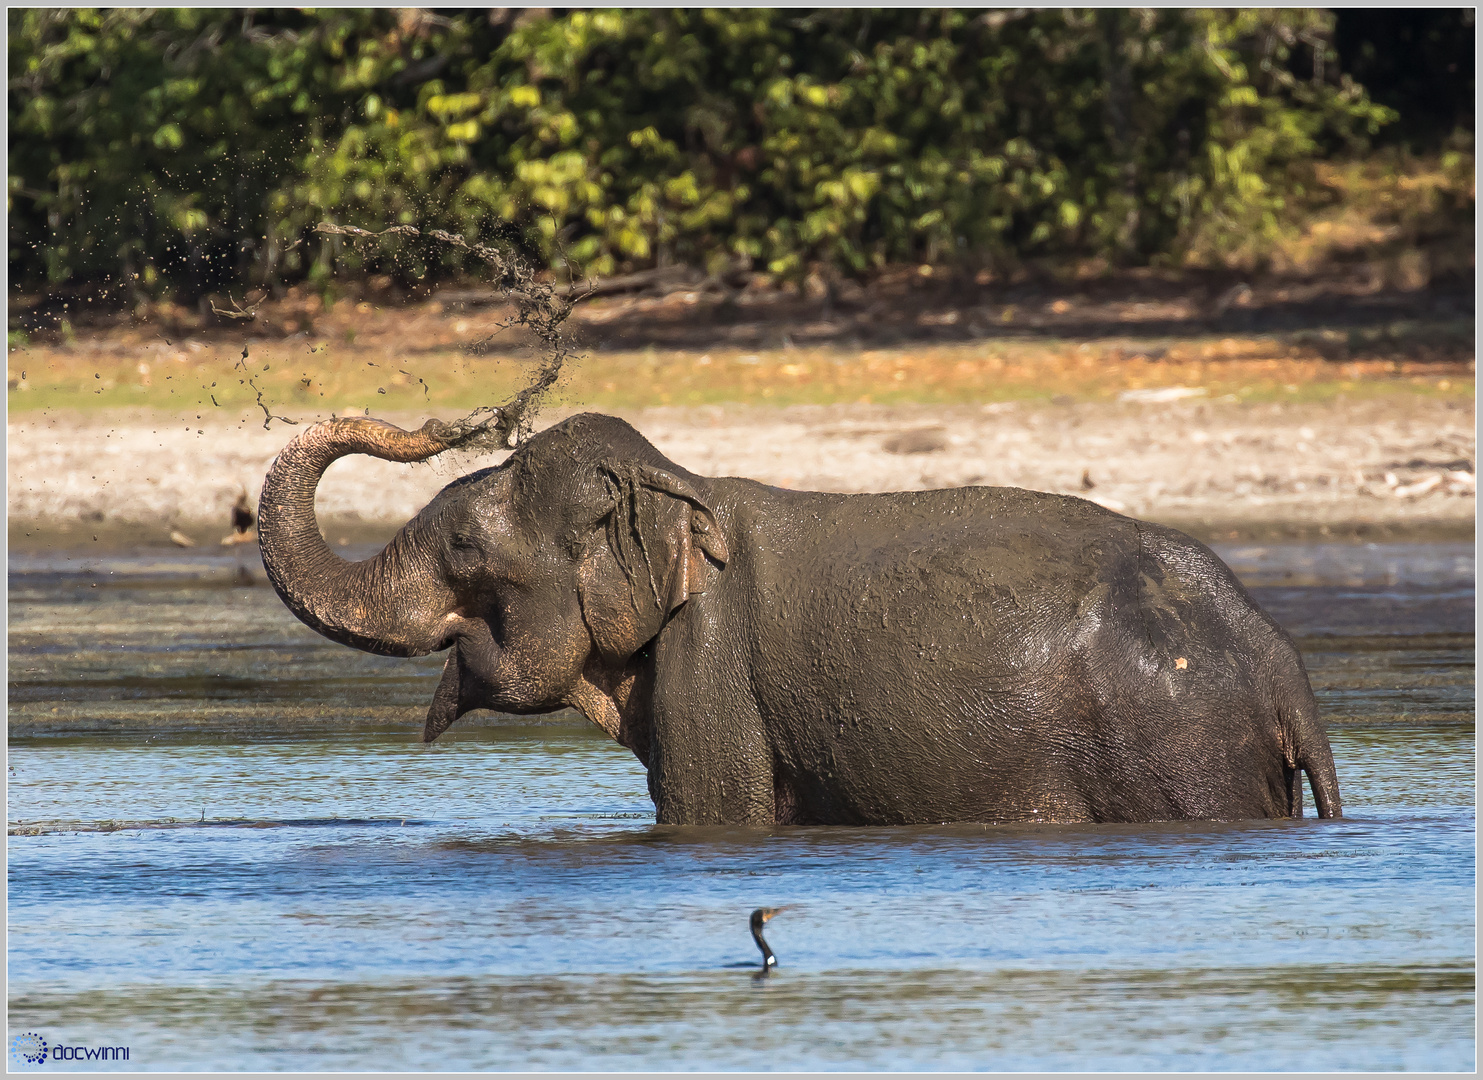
394 603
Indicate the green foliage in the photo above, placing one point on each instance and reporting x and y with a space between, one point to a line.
162 145
199 147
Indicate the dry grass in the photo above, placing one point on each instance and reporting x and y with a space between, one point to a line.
193 377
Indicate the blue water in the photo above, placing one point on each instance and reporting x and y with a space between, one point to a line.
228 851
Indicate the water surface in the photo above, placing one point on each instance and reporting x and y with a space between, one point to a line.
229 852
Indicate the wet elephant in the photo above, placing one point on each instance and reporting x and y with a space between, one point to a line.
784 657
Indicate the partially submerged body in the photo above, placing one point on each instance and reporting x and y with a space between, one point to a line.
781 657
978 654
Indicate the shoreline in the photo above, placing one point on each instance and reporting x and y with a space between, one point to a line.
82 543
1362 469
475 727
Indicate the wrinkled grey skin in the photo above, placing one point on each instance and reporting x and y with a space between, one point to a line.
784 657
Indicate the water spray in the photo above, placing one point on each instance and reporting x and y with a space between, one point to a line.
539 307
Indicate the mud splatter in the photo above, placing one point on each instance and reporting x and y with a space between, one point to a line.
539 307
268 415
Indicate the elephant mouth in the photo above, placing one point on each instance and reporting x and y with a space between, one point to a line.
450 700
480 673
461 687
455 625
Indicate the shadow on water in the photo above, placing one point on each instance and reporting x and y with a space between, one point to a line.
41 828
228 850
1386 630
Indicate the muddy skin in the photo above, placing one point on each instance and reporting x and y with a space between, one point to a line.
783 657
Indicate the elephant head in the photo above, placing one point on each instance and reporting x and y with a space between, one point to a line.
546 576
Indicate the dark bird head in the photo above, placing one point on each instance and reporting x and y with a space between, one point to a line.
763 915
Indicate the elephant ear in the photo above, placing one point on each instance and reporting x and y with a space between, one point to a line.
651 556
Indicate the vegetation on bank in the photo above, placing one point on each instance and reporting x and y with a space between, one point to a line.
176 152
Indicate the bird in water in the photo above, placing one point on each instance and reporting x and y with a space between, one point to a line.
243 521
760 916
243 532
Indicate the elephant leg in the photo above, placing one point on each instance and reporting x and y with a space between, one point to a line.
710 761
709 769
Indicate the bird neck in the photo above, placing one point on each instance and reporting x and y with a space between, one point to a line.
768 959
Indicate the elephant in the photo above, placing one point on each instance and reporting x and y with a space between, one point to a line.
781 657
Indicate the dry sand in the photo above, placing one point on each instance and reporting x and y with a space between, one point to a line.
1402 464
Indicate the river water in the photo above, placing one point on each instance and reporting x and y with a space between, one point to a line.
228 851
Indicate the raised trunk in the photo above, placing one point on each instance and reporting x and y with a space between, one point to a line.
394 603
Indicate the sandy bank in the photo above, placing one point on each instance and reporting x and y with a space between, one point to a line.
1401 464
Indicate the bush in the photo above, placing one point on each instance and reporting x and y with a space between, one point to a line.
191 149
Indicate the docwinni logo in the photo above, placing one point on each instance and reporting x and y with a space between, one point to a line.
28 1049
32 1049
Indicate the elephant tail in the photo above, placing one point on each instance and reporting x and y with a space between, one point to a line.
1311 754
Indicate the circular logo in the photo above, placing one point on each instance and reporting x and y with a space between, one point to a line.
28 1049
